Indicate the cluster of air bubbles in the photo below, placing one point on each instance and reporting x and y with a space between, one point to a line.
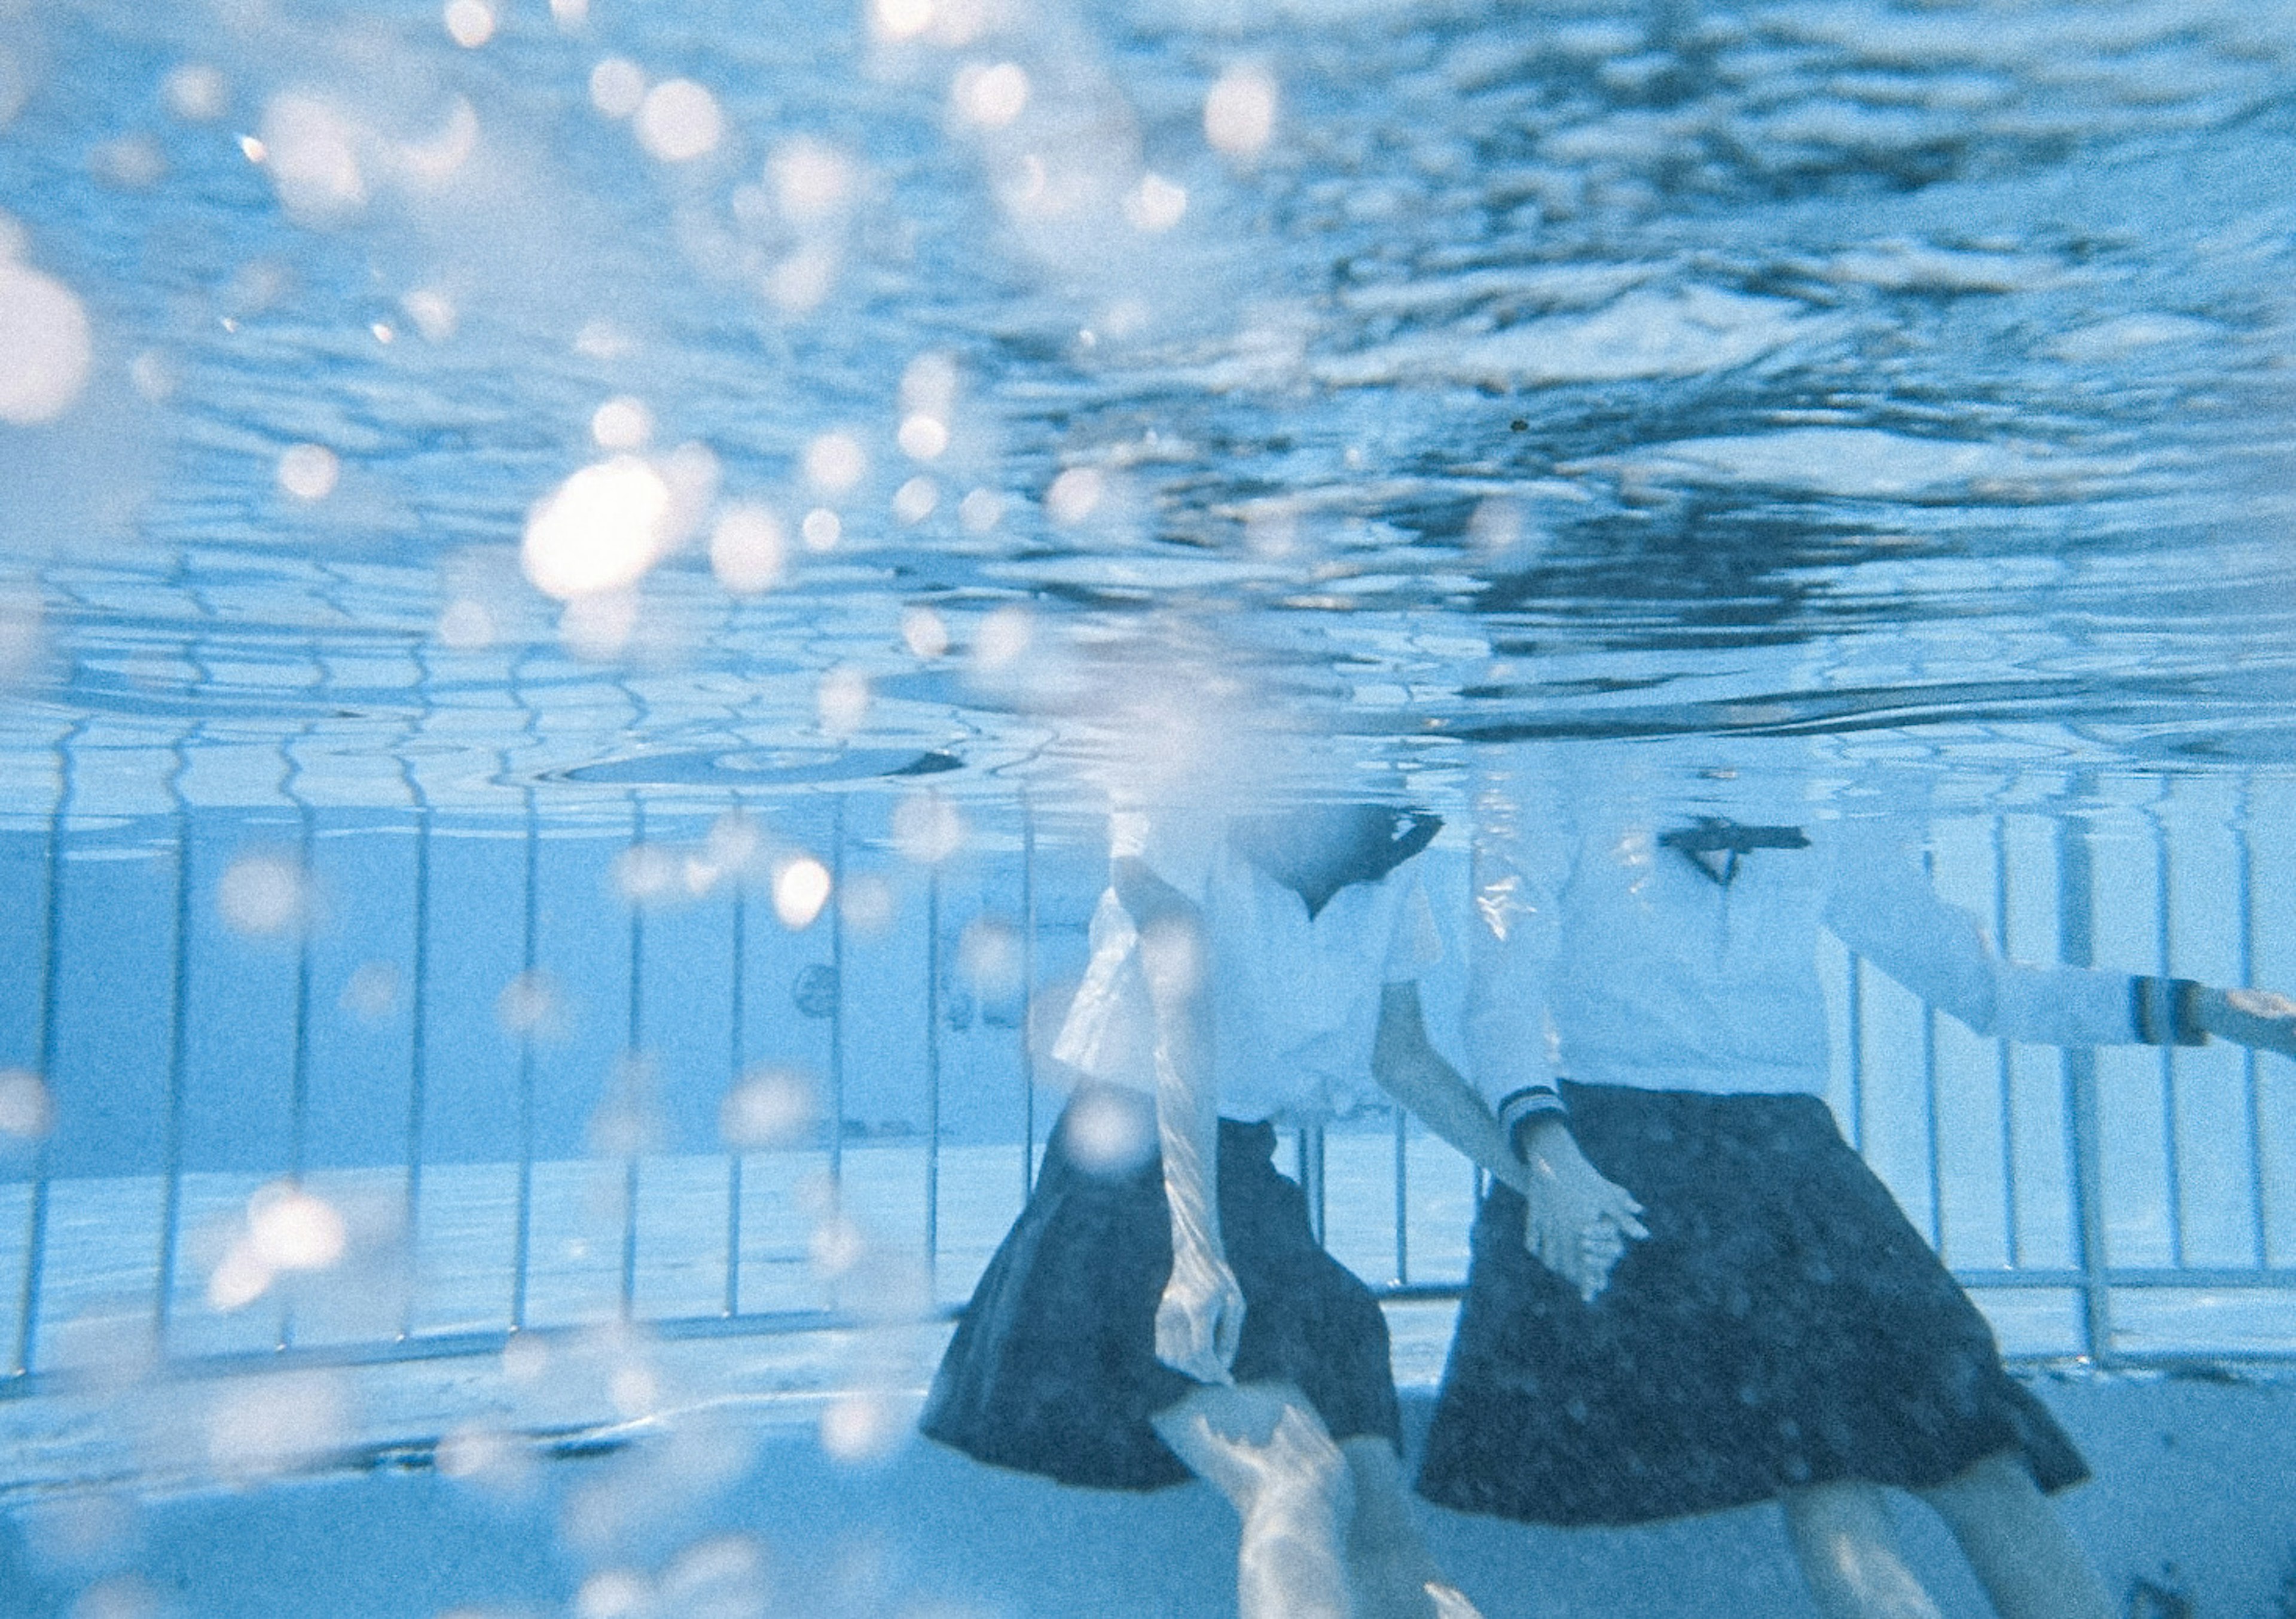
285 1230
841 700
46 344
675 120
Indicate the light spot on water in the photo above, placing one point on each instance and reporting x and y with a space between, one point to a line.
27 1111
821 530
263 894
900 19
924 632
371 991
801 889
842 700
118 1597
599 626
613 1593
922 437
800 283
195 93
834 462
470 23
432 312
860 1427
645 873
1109 1133
927 828
867 904
308 472
132 162
634 1391
771 1108
310 151
1239 112
621 424
600 532
747 550
618 86
529 1005
383 333
914 500
45 346
836 1246
991 96
1155 204
253 150
723 1577
1075 495
466 625
678 121
989 954
1002 637
980 511
569 14
293 1230
264 1426
812 180
152 376
525 1358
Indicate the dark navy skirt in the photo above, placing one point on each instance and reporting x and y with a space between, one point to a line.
1053 1366
1783 1325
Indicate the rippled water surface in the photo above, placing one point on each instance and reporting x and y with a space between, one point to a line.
1915 374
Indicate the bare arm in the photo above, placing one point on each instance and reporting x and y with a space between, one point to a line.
1199 1318
1576 1223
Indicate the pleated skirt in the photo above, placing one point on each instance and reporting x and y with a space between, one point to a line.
1783 1325
1052 1369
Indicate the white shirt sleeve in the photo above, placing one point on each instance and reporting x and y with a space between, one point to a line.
1521 863
1881 905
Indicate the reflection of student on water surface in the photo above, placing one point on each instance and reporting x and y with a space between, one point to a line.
1731 1307
1161 1307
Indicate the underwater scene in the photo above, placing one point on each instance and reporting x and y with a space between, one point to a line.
1313 808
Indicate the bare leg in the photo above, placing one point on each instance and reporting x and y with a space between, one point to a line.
1842 1537
2025 1557
1390 1568
1263 1447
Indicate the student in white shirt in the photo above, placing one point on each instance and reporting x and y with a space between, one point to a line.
1774 1328
1161 1307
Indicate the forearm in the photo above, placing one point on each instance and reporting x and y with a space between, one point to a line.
1415 1073
1433 1091
1187 1092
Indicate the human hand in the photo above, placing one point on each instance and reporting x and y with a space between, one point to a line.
1576 1224
2251 1018
1199 1319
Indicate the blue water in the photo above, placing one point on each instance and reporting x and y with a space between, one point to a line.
1916 373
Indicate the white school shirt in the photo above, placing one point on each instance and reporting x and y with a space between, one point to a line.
1602 954
1295 1000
